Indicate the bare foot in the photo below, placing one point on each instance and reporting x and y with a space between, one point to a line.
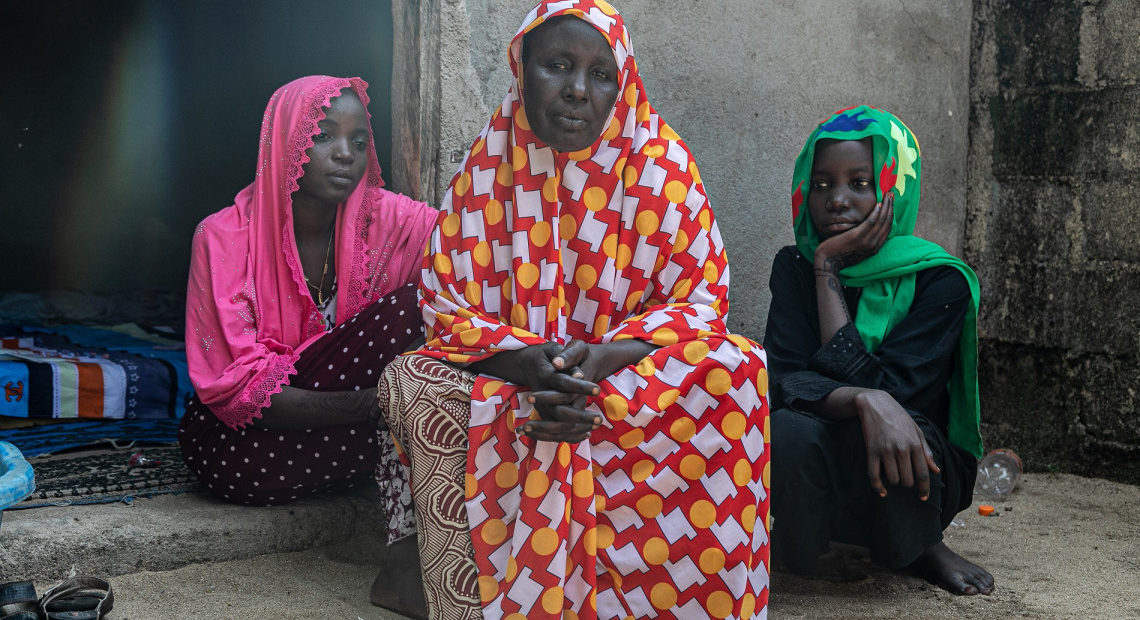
951 572
399 585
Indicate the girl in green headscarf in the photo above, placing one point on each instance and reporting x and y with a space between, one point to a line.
872 350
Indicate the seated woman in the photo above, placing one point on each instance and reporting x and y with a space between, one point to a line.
300 293
872 345
585 437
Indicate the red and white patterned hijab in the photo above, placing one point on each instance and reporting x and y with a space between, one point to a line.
614 241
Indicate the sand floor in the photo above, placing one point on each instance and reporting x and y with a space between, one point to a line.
1061 547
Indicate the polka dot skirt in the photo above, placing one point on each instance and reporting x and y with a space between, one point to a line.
257 466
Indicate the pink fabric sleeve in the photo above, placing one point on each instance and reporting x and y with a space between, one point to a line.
418 219
233 371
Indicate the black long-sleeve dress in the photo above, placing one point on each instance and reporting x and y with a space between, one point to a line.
820 488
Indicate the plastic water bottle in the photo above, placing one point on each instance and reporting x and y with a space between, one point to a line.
998 474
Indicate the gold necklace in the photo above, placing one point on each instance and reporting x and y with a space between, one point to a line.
324 271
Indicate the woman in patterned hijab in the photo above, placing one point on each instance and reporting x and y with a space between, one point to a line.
580 414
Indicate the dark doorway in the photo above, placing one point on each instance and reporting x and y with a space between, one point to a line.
125 122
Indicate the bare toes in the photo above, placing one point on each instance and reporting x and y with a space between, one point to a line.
984 582
953 573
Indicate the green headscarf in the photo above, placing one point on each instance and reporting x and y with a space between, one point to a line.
887 278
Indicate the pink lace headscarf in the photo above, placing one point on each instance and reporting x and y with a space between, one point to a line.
248 310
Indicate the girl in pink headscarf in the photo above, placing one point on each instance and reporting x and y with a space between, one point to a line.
299 294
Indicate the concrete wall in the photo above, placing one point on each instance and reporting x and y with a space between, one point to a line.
1054 226
744 83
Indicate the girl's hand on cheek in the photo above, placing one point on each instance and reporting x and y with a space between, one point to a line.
852 246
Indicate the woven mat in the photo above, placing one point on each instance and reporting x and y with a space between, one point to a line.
104 476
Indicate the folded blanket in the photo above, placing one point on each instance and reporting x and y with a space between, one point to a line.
51 438
73 371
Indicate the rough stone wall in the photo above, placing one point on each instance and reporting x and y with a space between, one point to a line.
744 83
1054 230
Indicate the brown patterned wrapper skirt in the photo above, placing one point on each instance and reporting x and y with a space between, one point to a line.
428 406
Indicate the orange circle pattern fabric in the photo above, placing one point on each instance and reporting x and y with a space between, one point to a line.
663 512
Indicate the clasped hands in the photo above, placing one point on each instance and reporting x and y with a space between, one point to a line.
562 378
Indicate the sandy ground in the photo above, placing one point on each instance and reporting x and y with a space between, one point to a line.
330 582
1061 547
291 586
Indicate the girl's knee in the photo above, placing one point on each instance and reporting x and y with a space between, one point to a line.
796 436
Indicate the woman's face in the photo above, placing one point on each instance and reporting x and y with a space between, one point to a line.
339 154
570 83
842 190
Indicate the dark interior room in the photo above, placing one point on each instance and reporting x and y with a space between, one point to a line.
126 122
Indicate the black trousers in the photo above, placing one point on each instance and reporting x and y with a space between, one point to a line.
821 492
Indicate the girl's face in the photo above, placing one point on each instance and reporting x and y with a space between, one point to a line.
842 185
339 153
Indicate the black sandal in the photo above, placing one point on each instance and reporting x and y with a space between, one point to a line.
18 601
78 598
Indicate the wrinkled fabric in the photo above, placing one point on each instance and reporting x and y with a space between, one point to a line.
248 310
663 511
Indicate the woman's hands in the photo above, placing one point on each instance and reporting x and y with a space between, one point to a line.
602 360
559 396
854 245
562 378
896 447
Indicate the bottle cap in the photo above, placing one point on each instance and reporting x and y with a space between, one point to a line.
985 510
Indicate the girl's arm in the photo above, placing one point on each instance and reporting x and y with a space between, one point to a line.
840 251
294 408
297 408
897 452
